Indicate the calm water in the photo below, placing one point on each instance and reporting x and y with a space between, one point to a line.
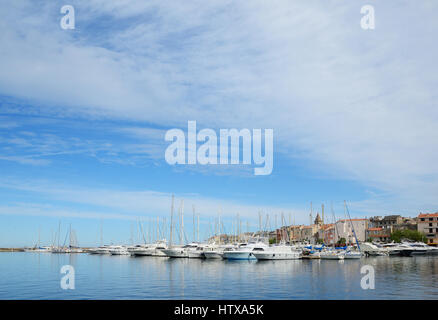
26 275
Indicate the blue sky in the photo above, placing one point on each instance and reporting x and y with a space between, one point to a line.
83 112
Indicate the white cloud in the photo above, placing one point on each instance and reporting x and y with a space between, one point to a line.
357 105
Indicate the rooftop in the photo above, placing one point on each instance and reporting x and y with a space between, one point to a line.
428 215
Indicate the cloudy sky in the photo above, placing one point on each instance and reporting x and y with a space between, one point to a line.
84 112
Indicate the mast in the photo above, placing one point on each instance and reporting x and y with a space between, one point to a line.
182 222
351 222
311 213
322 212
198 228
59 232
171 222
194 229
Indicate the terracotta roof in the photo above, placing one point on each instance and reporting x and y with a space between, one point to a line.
375 229
428 215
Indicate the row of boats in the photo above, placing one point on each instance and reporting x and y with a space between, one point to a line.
404 249
252 250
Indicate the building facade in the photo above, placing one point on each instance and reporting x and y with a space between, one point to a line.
427 223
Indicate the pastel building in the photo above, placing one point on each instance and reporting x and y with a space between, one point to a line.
427 223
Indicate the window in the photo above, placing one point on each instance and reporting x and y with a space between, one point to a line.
430 224
422 219
430 230
430 219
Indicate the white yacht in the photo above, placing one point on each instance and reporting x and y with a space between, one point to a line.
279 252
180 252
372 249
158 247
244 251
332 255
217 252
398 249
420 248
119 250
100 250
197 253
139 250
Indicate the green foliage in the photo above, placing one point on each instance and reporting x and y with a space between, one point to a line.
399 235
341 242
271 240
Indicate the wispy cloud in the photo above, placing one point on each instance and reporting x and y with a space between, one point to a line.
354 105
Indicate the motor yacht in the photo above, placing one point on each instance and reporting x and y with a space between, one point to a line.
119 250
279 252
100 250
180 252
372 249
217 252
244 251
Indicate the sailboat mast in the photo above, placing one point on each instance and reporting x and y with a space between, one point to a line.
182 220
171 221
322 212
194 229
351 222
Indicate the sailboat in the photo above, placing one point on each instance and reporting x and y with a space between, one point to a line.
330 254
352 254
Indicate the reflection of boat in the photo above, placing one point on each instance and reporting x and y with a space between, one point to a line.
279 252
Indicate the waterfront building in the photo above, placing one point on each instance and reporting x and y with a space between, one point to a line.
344 229
386 221
427 223
379 234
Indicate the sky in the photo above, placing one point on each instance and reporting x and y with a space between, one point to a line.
84 112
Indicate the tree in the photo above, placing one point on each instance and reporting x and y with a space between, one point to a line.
399 235
341 242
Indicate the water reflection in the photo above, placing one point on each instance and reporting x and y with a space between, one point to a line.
36 276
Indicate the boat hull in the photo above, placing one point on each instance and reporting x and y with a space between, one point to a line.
175 253
277 256
239 255
213 255
195 255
